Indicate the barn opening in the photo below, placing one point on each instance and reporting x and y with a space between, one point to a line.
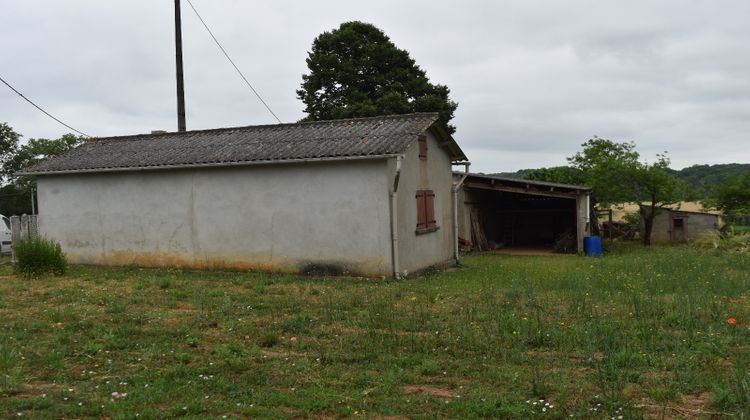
512 214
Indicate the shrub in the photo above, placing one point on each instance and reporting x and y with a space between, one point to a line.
37 256
728 242
738 229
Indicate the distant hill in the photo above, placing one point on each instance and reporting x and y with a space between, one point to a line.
703 178
518 174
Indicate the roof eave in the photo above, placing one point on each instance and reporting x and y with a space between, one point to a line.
205 165
448 143
528 182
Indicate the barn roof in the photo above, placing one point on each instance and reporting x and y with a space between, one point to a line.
360 138
521 186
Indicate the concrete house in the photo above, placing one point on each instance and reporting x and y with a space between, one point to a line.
369 196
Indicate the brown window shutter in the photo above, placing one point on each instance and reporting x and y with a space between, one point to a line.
421 210
430 209
423 147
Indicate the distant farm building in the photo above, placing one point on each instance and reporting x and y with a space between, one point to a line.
680 226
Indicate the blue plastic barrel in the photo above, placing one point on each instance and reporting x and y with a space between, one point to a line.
592 246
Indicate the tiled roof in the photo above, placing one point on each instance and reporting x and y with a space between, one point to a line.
322 140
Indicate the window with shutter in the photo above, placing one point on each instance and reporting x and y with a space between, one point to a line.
421 213
423 147
429 206
426 211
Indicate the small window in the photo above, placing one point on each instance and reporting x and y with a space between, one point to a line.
423 147
678 223
426 211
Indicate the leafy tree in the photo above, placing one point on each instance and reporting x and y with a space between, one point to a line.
607 168
702 180
655 189
616 175
15 194
37 150
15 199
356 71
8 144
733 196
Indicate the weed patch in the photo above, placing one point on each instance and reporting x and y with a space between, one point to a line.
37 256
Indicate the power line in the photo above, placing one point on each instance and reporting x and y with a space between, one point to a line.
40 108
232 62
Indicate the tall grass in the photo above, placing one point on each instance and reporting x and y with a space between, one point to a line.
732 241
36 256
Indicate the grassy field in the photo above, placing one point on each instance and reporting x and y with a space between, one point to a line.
639 333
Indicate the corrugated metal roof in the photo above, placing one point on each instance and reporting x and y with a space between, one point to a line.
321 140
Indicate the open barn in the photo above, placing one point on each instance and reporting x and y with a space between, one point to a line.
516 214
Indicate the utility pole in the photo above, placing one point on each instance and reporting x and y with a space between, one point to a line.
178 55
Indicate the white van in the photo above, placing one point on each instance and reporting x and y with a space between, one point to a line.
5 237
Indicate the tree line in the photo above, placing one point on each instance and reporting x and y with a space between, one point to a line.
703 181
616 174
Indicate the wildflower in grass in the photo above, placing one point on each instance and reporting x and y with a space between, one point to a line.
731 321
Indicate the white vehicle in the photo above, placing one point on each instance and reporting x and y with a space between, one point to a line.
5 237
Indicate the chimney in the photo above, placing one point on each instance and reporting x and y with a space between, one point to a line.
158 132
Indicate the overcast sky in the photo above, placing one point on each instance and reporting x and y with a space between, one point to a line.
533 79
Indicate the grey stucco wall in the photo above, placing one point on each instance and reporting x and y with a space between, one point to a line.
417 251
660 232
660 228
277 217
701 223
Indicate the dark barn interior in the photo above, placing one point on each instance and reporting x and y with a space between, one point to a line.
517 220
514 214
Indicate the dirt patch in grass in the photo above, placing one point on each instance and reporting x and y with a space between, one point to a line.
430 390
656 375
275 353
695 402
690 406
412 333
40 388
351 330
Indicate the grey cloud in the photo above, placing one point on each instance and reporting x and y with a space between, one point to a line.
533 79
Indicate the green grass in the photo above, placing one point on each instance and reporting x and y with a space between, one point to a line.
737 229
639 333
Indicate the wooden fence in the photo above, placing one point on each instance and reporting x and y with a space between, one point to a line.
21 227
